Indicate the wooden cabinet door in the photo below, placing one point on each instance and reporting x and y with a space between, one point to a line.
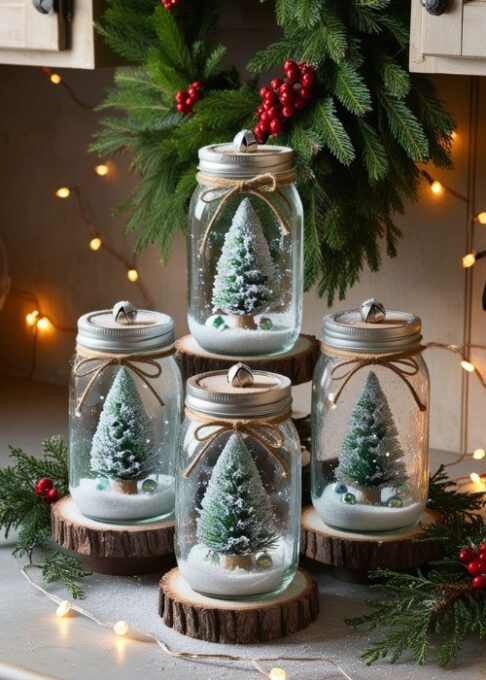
22 27
474 29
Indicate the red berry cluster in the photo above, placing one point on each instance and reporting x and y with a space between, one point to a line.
475 563
284 98
169 4
45 487
187 98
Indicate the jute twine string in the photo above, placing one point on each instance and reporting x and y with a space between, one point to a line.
143 364
403 364
256 186
264 431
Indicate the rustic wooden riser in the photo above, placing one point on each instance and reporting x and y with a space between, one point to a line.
238 622
118 549
351 556
298 364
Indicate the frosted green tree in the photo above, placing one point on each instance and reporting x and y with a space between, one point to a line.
245 283
122 448
371 456
236 515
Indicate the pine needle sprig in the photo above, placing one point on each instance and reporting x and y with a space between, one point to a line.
64 568
445 497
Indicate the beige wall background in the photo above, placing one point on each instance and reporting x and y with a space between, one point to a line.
43 140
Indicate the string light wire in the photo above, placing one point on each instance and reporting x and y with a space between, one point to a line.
121 627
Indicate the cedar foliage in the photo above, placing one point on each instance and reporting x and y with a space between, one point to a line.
357 144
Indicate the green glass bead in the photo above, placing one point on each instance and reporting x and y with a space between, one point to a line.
218 321
149 485
349 498
264 561
401 490
340 488
266 324
102 484
394 502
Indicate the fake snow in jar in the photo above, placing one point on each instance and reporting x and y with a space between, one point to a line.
245 249
370 421
238 485
125 409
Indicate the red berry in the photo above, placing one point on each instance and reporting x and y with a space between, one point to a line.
51 495
467 555
482 547
476 567
287 97
276 83
300 103
37 491
180 96
197 84
181 107
479 583
276 126
308 79
264 125
287 111
260 135
286 87
305 93
264 91
260 110
293 74
45 484
270 97
273 112
189 102
263 116
289 63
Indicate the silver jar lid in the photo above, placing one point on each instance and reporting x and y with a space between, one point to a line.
239 159
224 394
126 330
372 329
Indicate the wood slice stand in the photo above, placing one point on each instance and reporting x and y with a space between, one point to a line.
116 549
297 364
236 622
351 556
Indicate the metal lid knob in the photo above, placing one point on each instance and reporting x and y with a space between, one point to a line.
245 141
124 312
372 311
240 375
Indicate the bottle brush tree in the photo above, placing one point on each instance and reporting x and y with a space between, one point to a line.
122 448
235 518
245 283
371 456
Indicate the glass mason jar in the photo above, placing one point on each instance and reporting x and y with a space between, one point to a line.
238 485
370 421
125 413
245 250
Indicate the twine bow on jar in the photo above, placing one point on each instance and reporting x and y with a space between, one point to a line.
92 364
265 432
256 186
404 365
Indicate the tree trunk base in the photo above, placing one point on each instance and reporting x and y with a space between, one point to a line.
119 549
233 622
126 486
371 496
351 556
244 322
237 561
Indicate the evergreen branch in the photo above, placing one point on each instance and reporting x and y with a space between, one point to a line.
61 567
446 498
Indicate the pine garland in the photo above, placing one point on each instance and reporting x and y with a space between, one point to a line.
357 143
21 509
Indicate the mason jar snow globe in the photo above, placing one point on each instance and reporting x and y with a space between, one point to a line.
370 421
245 249
125 412
238 484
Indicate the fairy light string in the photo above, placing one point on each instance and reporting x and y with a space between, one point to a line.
122 628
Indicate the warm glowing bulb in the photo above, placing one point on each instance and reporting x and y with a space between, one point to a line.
454 135
63 609
468 260
481 217
43 323
121 627
277 674
102 169
475 477
479 454
31 318
55 78
63 192
467 366
132 275
436 187
95 243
